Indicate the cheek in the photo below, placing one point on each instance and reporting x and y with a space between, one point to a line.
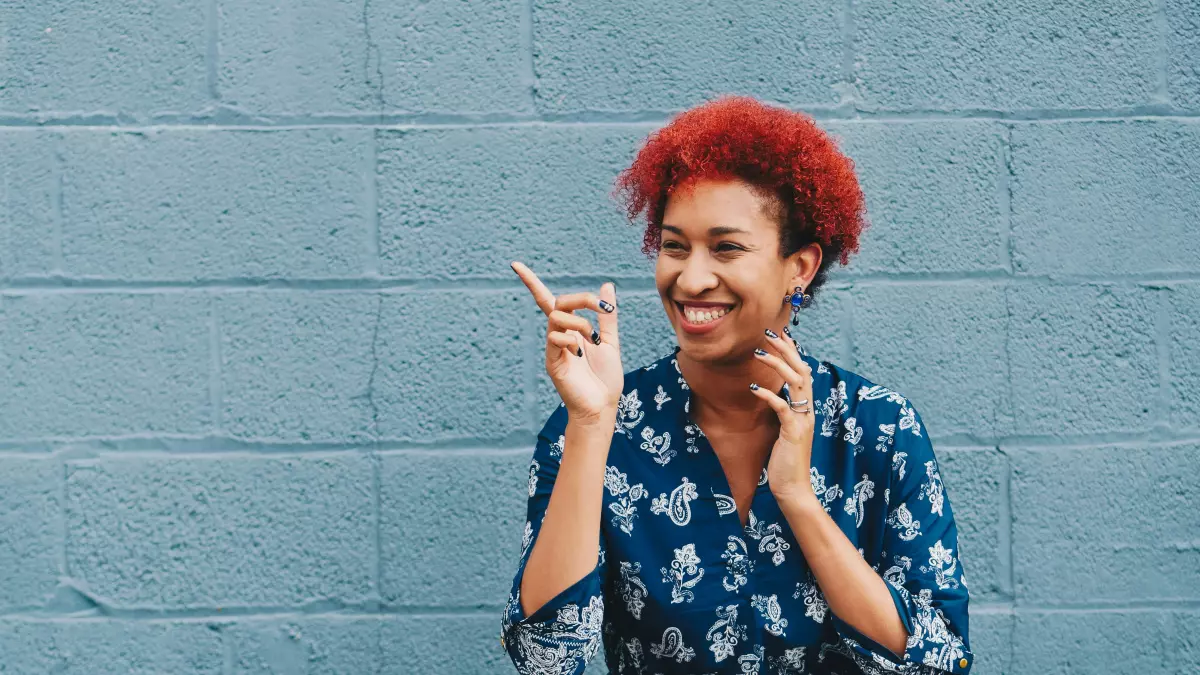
664 274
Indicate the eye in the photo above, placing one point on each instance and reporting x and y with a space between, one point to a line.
726 246
671 245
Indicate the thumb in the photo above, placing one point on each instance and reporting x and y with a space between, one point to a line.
608 320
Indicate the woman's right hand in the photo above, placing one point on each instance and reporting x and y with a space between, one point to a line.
588 376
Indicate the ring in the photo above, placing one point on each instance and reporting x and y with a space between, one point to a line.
802 402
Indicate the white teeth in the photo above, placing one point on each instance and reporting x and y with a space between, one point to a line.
704 316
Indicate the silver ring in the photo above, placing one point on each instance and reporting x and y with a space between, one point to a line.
802 402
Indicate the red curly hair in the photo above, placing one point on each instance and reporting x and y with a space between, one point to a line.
780 152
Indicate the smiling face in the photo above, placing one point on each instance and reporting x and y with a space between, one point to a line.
720 273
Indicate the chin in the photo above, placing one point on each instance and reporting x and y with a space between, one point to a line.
715 352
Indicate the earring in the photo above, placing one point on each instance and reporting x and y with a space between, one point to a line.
798 299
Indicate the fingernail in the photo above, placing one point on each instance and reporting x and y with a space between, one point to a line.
787 332
595 337
579 351
753 386
771 334
606 307
759 352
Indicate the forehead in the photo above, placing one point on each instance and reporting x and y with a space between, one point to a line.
696 207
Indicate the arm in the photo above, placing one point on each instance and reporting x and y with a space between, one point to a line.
922 574
552 620
856 593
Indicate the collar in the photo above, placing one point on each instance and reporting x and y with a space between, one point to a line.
669 387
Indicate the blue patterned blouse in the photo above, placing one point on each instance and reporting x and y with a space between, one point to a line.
682 586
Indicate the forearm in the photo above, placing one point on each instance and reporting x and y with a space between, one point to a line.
854 591
566 548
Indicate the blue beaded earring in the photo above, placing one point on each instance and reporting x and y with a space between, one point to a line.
798 299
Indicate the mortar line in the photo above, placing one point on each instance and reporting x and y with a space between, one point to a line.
372 178
849 94
1005 197
228 652
1163 316
525 38
212 48
58 185
1162 91
215 393
849 343
64 563
22 286
204 615
1005 539
377 488
224 118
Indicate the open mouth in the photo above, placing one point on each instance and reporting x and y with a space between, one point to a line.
702 318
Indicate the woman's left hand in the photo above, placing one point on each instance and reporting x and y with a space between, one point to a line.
789 469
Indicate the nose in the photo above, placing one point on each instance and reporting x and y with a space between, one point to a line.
696 277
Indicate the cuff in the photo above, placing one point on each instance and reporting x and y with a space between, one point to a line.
571 618
927 652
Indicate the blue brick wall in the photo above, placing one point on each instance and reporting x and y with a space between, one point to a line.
268 388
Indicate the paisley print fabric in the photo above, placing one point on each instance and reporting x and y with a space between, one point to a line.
682 586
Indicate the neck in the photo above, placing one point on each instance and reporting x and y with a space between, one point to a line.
721 391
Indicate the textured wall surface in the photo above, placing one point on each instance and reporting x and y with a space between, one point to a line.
268 388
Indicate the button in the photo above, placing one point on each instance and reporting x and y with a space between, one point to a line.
962 663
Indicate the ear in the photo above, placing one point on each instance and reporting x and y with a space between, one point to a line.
803 265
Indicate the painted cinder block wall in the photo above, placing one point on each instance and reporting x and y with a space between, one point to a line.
268 389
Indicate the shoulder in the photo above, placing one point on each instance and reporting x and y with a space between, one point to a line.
859 396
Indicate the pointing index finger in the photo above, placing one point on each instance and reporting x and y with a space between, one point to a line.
541 294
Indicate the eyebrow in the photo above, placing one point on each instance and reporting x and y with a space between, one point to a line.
712 231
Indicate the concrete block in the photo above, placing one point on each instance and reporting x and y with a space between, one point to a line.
1107 198
467 202
297 367
29 203
910 337
629 56
105 58
933 196
1083 358
31 513
1106 524
104 364
183 204
307 57
998 55
222 531
467 555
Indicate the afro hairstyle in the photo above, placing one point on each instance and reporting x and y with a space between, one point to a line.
809 186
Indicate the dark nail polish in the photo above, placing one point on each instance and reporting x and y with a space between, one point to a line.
606 307
595 337
753 386
759 352
579 351
787 332
771 334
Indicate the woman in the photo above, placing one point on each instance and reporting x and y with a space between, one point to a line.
737 506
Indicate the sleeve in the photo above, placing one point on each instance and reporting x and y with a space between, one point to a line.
563 635
922 571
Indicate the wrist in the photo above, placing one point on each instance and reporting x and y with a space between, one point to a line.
604 419
800 500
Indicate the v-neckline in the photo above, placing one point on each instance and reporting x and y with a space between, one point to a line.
721 480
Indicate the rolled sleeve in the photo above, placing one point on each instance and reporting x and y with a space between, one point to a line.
920 565
563 635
